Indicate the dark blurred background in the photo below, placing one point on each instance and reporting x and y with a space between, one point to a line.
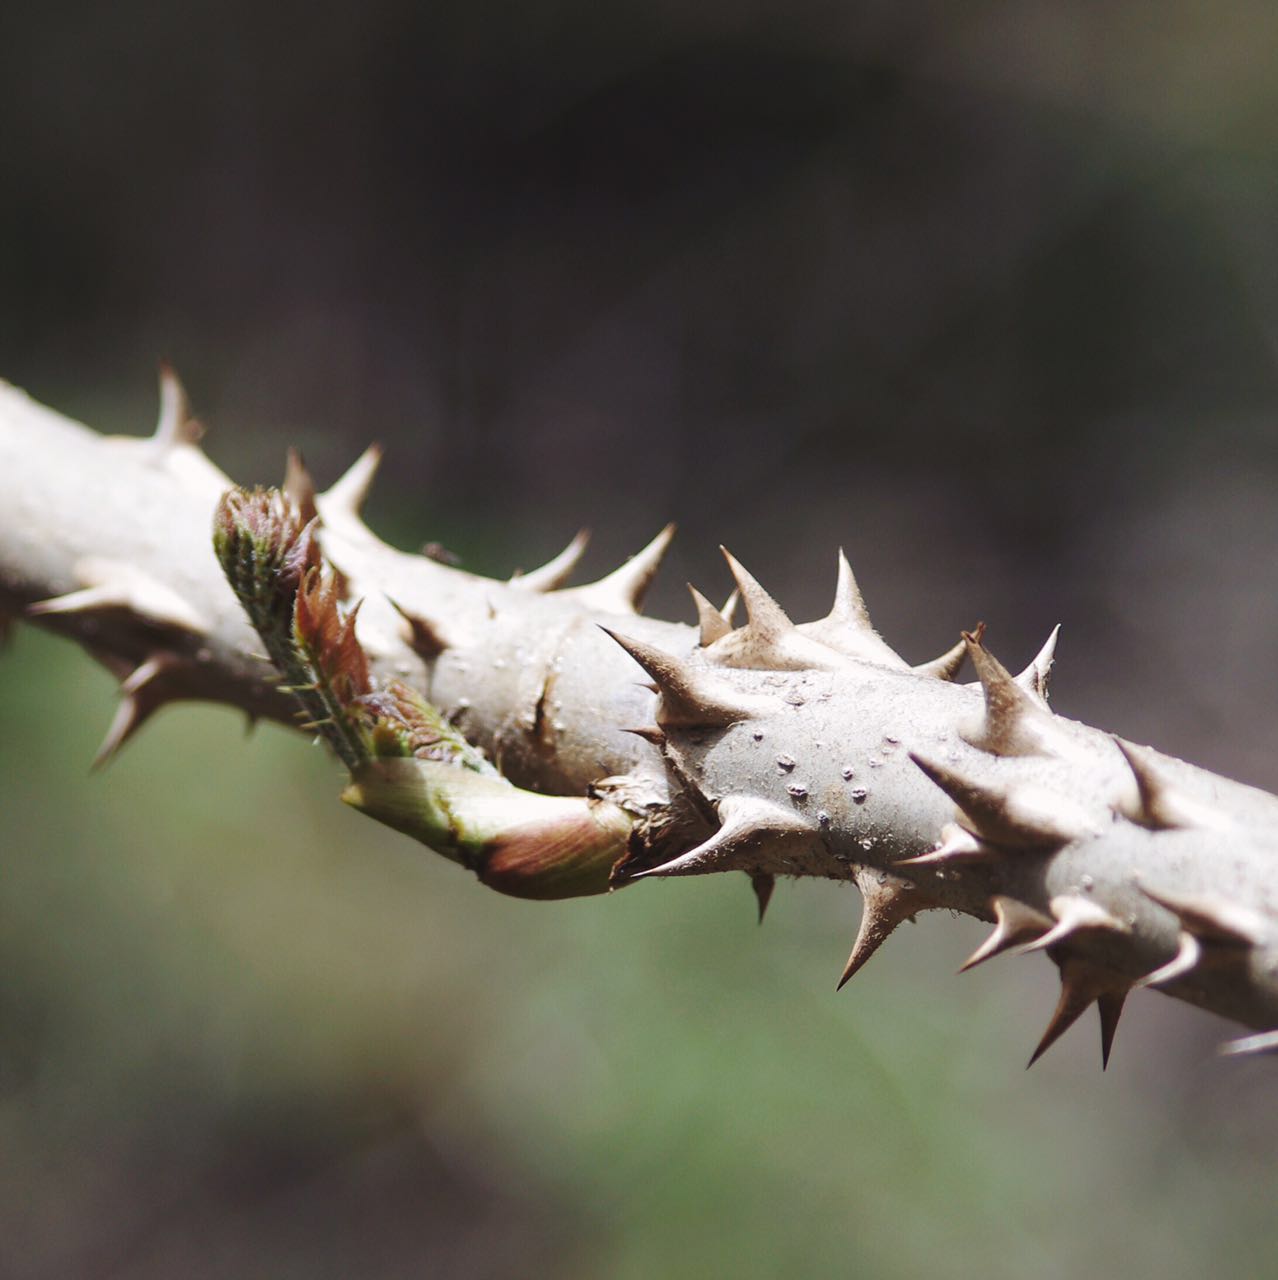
987 293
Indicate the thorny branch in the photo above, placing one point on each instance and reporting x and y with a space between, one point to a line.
769 748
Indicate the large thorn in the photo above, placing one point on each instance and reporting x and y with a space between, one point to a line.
349 494
1073 914
764 616
847 628
113 585
886 902
1014 723
1263 1042
623 590
175 425
1213 920
763 884
1015 923
299 487
712 624
1158 805
690 696
1083 984
1034 679
849 605
749 827
555 573
948 665
955 845
142 693
1022 816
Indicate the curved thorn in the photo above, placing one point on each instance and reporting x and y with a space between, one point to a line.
712 624
1015 922
729 609
350 493
1159 805
948 665
955 844
143 693
886 902
623 590
555 573
747 826
1072 915
1188 953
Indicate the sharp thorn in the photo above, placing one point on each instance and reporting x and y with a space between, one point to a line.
350 493
1080 988
956 844
299 487
689 696
648 734
764 616
555 573
948 665
623 590
849 605
711 623
748 827
1015 922
1212 919
1188 953
427 638
1021 817
142 693
115 585
1110 1006
1159 806
763 885
1072 914
175 425
886 902
1013 720
1035 678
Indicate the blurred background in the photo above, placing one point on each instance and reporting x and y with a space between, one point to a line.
987 294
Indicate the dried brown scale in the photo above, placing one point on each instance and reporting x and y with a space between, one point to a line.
1069 815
